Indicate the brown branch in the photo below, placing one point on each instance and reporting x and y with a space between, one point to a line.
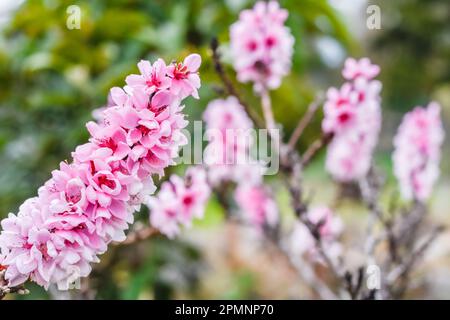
404 268
266 105
139 235
231 90
354 288
315 147
369 188
304 121
293 170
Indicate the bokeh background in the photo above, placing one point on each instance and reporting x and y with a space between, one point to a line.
52 78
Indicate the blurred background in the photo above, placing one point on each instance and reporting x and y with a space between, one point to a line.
53 77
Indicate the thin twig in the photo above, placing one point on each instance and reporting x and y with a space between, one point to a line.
304 121
266 105
404 268
293 171
354 288
369 189
315 147
139 235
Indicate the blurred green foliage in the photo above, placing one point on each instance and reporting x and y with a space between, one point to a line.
413 48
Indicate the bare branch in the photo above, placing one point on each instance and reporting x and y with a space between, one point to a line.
315 147
139 234
266 104
404 268
305 121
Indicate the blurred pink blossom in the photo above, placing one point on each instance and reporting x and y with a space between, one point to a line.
331 226
261 45
360 68
418 151
230 135
179 201
352 115
257 205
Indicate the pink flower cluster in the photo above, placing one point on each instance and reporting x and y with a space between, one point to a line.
352 114
88 203
261 45
179 201
230 133
228 158
257 204
417 151
331 226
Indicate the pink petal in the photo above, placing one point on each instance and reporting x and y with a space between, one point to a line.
193 62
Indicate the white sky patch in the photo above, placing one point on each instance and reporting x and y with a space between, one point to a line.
354 14
6 9
331 51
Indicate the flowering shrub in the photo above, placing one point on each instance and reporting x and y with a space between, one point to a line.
261 45
89 203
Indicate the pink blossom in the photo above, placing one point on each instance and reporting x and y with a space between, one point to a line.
228 158
360 68
185 79
179 201
164 211
223 114
90 202
261 46
303 243
111 138
340 109
353 115
33 248
230 135
349 157
417 151
257 205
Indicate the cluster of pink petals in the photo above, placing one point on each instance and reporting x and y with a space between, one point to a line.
179 201
228 159
261 45
352 114
418 151
354 69
331 226
88 203
257 204
230 133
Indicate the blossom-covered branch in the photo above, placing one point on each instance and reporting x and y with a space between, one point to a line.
89 202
